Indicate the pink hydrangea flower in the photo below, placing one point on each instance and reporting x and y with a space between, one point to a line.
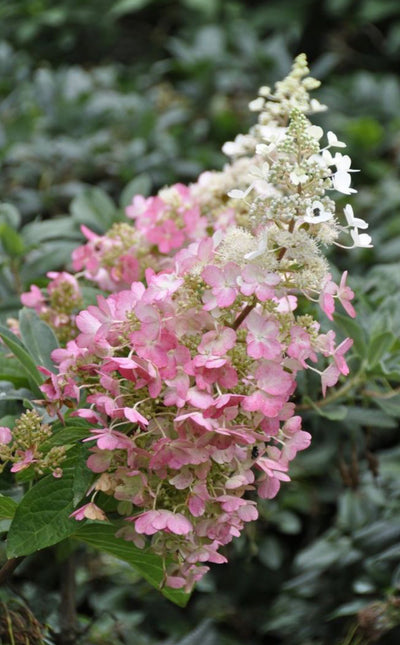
5 435
224 284
152 521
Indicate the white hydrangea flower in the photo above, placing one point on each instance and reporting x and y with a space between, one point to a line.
343 162
237 147
257 105
333 141
362 240
316 106
264 91
316 213
341 182
356 222
263 150
297 176
315 132
260 249
236 193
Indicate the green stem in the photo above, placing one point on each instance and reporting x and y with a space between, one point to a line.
357 378
14 268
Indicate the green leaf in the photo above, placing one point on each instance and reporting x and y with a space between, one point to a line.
66 436
102 537
271 553
7 507
38 336
369 417
9 393
24 358
95 209
10 370
42 517
332 412
354 511
10 215
325 551
379 345
141 185
127 6
51 255
12 242
83 477
56 228
8 420
365 132
389 405
351 328
349 609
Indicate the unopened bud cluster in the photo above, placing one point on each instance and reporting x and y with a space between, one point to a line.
59 305
23 446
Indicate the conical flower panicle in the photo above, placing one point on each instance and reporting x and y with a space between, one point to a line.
187 369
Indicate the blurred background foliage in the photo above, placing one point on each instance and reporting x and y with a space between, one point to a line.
101 99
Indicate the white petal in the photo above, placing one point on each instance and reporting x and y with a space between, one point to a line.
327 157
317 219
363 241
360 223
334 141
341 182
261 248
264 91
317 204
236 193
354 221
257 105
230 148
342 162
315 132
316 106
349 214
262 149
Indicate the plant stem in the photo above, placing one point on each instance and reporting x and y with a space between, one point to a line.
357 378
7 569
14 268
243 314
68 617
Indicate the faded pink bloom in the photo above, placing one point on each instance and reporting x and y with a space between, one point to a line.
254 280
89 512
33 298
326 299
262 339
58 278
213 347
345 294
338 355
27 457
150 522
5 435
223 282
329 377
300 346
166 236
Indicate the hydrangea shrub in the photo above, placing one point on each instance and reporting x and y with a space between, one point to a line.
181 380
